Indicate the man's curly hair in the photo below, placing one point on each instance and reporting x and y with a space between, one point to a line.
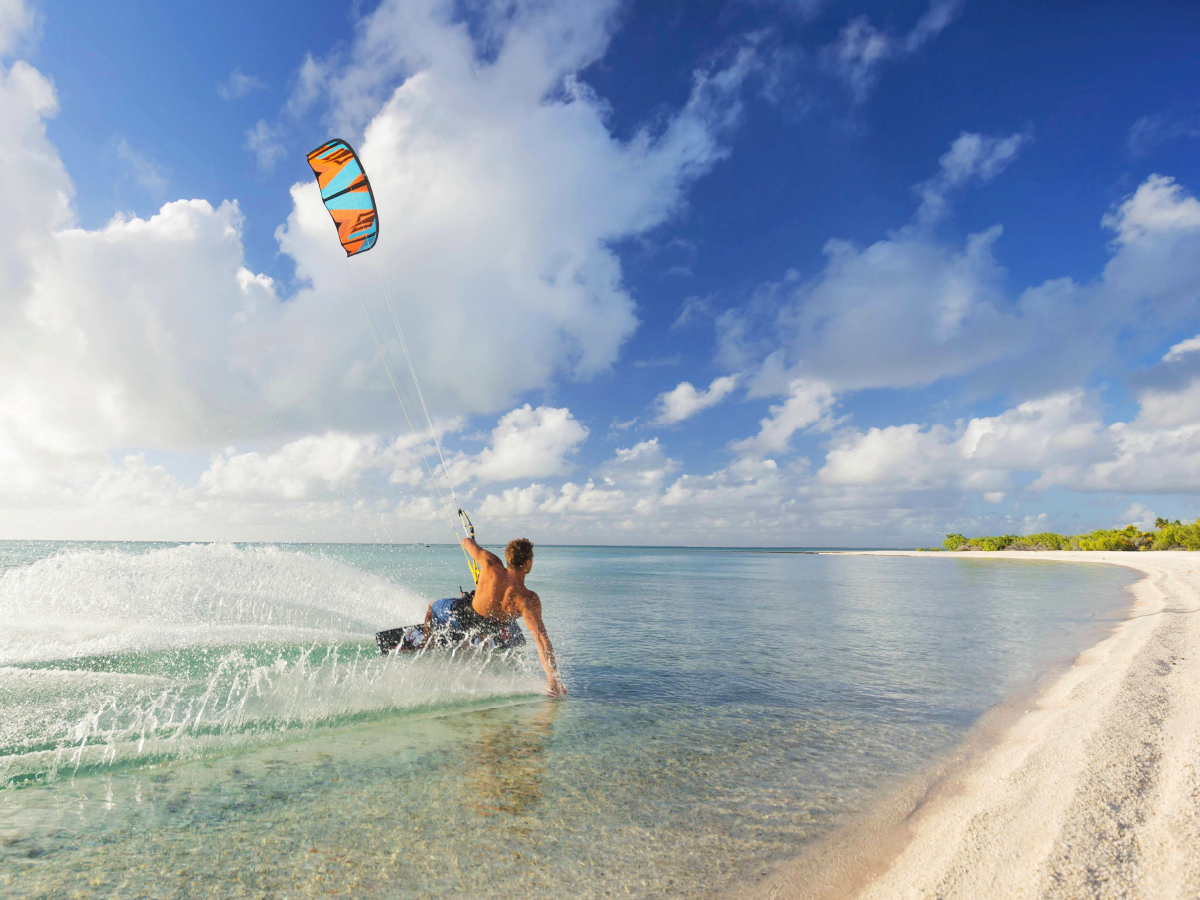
518 553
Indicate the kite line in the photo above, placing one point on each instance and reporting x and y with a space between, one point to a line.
347 195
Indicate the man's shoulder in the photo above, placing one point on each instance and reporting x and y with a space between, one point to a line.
530 599
524 594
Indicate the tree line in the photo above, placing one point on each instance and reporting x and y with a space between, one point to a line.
1167 535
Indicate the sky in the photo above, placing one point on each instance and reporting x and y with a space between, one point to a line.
830 273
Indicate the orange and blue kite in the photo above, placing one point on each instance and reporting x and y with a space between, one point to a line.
347 195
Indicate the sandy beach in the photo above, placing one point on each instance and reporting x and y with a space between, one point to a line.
1091 789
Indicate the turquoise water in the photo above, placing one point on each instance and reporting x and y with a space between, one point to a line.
214 720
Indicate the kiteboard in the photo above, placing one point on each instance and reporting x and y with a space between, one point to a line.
451 633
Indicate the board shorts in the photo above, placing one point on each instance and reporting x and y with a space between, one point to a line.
454 625
454 621
457 615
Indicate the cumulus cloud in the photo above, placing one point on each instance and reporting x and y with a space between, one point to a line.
1158 207
638 493
643 467
512 190
318 462
904 311
16 19
808 405
1182 349
1049 434
1061 438
684 401
151 332
916 307
530 443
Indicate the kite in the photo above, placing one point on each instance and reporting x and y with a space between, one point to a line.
347 195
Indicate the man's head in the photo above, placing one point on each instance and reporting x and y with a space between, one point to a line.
519 554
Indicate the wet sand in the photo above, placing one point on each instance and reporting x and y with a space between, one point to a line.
1089 789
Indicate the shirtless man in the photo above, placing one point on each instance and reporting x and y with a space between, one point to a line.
501 596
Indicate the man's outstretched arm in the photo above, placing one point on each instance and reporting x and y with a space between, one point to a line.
532 614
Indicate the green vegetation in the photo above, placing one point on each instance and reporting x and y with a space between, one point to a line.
1168 535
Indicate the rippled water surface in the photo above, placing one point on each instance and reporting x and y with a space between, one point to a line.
214 719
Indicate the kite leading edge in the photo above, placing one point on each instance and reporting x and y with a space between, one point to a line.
347 195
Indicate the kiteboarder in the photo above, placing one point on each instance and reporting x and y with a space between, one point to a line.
499 598
486 617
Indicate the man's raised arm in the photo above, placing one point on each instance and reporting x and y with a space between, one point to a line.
477 553
532 614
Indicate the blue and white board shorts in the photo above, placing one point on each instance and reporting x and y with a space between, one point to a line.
445 615
454 618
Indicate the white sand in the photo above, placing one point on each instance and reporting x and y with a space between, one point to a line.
1093 790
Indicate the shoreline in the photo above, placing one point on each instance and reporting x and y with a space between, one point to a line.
1088 785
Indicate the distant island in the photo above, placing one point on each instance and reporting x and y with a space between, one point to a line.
1167 535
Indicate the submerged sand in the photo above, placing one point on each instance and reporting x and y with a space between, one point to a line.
1091 789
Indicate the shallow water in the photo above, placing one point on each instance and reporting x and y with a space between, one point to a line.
213 719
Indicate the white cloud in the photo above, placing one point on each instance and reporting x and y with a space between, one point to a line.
16 20
970 157
643 467
501 191
32 179
239 84
684 401
135 335
529 443
693 310
1061 438
1139 514
1149 132
861 48
940 14
311 80
1178 351
808 405
134 483
904 311
315 463
1054 435
263 142
857 53
144 170
1159 206
914 308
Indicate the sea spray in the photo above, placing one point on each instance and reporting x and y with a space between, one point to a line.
115 658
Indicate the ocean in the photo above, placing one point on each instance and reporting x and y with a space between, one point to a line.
214 719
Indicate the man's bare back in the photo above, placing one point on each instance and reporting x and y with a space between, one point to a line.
498 596
501 596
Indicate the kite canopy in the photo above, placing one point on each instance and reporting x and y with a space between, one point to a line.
347 195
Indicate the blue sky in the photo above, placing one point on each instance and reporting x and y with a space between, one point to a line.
800 273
